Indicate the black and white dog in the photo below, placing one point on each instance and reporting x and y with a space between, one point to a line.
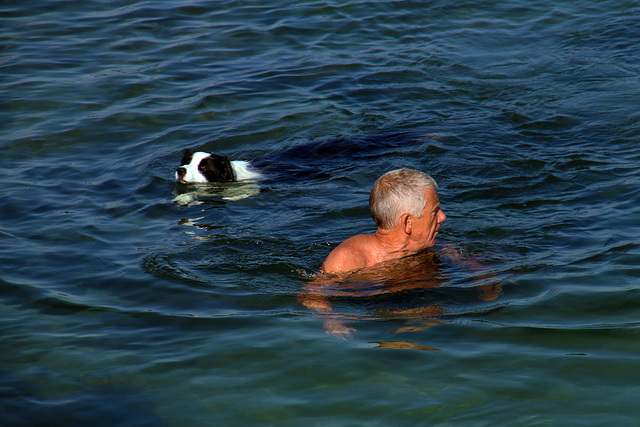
198 167
201 167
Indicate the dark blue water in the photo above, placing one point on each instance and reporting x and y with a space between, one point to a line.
119 306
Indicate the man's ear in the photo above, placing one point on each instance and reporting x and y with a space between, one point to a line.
406 223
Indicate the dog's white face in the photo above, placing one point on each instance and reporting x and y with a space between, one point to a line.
201 167
189 172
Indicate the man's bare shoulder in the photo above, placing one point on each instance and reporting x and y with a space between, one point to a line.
354 253
359 241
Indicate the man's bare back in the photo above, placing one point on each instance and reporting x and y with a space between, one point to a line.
357 252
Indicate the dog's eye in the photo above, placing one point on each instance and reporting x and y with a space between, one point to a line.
203 168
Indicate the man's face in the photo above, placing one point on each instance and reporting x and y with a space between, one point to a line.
425 229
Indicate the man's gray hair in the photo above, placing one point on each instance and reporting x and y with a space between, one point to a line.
399 192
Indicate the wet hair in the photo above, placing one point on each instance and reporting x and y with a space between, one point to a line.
399 192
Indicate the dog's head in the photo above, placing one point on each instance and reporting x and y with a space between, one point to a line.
204 167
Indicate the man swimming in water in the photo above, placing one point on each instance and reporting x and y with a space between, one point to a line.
405 206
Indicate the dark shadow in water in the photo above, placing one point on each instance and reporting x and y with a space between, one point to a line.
319 159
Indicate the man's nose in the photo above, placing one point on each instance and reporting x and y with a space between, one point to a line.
441 217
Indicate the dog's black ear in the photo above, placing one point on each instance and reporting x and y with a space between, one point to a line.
223 168
216 168
187 156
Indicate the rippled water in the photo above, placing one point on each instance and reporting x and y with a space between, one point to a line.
120 307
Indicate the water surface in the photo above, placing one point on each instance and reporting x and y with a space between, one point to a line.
120 307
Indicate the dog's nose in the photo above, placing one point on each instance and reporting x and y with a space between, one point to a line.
181 172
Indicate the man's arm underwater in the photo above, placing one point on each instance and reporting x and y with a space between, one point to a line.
314 298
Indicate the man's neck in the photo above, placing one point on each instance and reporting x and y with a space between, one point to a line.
393 242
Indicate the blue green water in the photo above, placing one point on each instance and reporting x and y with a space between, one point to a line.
120 307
